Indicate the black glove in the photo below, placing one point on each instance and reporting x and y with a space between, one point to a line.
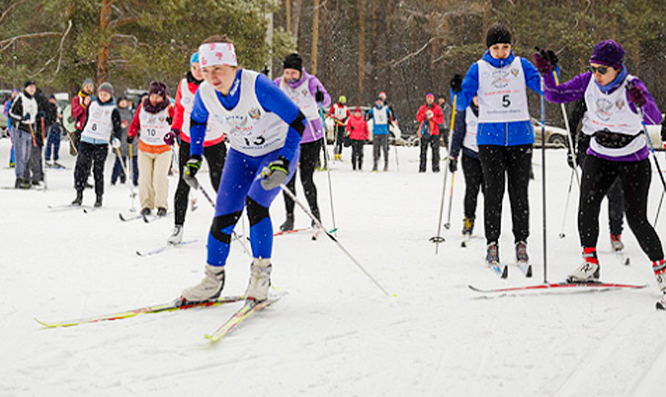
192 166
570 159
275 173
663 131
130 139
319 96
453 164
456 83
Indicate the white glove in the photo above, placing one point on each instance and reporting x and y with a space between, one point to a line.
115 143
429 114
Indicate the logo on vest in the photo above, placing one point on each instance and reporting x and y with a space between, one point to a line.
515 72
254 113
500 78
237 124
620 104
604 109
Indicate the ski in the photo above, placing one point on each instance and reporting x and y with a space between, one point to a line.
622 258
558 286
153 218
526 268
67 207
163 307
661 304
501 270
163 248
292 231
127 218
466 239
249 308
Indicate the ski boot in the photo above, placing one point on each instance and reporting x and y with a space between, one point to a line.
209 288
468 226
492 254
176 236
260 280
659 268
616 242
589 270
145 211
521 253
161 211
288 224
79 198
98 201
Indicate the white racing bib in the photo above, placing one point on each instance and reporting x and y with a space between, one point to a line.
502 93
214 131
471 124
379 115
154 126
303 98
250 129
99 124
612 112
339 112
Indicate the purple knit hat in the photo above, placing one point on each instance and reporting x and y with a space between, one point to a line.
608 53
159 88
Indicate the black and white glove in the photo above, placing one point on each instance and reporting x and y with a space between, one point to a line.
275 173
319 96
192 166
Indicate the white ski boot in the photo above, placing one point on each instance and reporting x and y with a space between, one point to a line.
588 272
260 280
209 288
659 268
176 236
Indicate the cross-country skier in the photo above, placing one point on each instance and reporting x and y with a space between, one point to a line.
308 93
464 137
340 113
215 150
615 102
151 123
504 135
265 129
102 125
429 116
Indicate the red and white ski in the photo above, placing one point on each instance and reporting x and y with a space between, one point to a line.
558 286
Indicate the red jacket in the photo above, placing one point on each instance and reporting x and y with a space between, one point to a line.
434 122
342 110
358 128
79 110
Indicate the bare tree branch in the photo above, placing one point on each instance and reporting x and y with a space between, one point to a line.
417 52
6 43
9 9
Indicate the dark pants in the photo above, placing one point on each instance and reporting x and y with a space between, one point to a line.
380 144
501 164
357 154
307 164
90 155
634 176
339 138
119 171
53 141
34 170
473 184
431 141
215 156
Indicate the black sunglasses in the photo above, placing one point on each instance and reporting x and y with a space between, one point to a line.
600 69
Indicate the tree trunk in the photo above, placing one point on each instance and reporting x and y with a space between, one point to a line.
287 13
296 18
315 38
361 47
105 37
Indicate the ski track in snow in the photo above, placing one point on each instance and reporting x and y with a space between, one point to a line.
335 333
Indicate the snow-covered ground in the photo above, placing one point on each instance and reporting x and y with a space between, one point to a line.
335 333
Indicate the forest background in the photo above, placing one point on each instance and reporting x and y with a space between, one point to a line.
357 48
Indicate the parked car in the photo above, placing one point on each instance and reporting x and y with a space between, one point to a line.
395 135
4 95
555 137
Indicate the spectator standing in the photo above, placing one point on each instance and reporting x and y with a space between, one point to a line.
430 117
23 113
128 158
358 134
381 116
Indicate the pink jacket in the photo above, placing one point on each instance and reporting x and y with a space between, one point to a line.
358 128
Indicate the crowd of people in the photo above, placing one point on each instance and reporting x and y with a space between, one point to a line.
256 134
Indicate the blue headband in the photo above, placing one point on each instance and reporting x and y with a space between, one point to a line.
194 58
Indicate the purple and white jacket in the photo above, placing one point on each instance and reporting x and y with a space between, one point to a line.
303 93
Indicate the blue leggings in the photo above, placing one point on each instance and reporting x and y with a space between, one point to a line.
240 187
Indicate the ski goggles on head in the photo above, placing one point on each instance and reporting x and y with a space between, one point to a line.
601 69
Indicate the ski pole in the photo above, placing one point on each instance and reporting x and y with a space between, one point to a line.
569 135
328 170
42 156
543 182
194 184
566 206
438 238
447 225
654 156
130 182
332 237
